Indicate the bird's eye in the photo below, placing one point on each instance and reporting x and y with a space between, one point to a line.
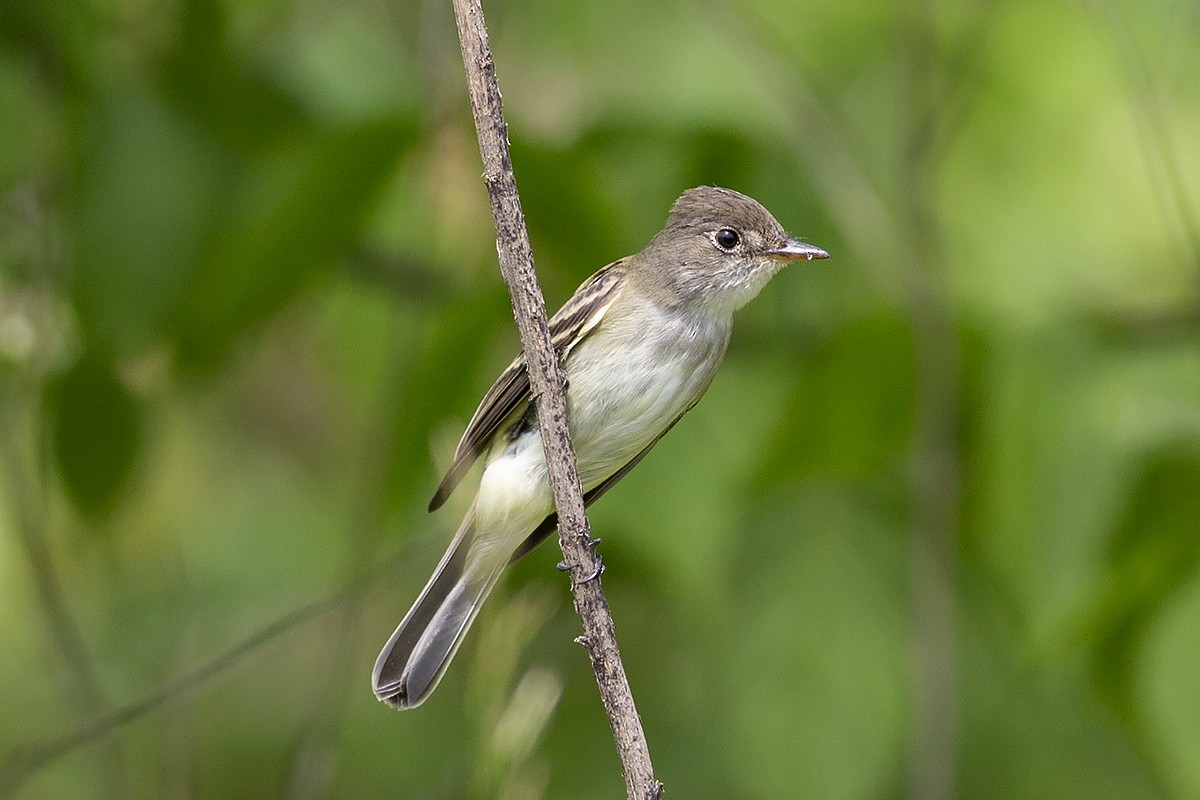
727 238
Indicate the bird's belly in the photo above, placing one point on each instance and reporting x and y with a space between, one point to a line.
616 412
621 396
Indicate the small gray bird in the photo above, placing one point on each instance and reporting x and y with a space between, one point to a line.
640 342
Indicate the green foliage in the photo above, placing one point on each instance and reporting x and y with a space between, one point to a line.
937 515
852 404
1153 554
96 426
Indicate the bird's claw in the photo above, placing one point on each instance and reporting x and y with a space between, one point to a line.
592 544
596 573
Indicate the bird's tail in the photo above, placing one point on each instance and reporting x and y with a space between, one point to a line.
414 659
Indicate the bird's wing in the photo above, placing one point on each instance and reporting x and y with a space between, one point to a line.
578 317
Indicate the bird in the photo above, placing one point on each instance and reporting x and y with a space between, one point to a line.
639 342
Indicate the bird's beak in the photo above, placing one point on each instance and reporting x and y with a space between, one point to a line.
796 250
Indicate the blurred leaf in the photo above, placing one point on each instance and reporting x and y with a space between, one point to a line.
1154 550
817 631
721 157
227 94
564 194
853 403
177 239
205 198
148 187
58 38
449 372
96 428
1168 692
287 218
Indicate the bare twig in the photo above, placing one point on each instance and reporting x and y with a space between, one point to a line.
28 760
546 382
934 459
24 466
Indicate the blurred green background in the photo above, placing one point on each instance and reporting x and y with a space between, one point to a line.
933 533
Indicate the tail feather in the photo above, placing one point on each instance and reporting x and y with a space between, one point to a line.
414 659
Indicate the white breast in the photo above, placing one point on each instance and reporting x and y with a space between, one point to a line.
627 382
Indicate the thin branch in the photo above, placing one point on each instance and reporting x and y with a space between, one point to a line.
24 463
547 383
83 689
23 763
934 459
